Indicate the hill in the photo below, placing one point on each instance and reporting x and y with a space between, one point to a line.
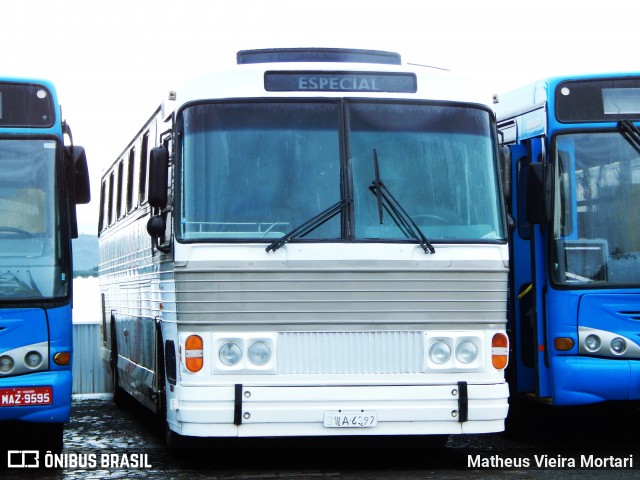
85 256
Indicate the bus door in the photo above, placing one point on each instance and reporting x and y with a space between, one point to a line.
529 272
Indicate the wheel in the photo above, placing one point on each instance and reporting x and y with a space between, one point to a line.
52 437
45 437
119 395
436 441
172 439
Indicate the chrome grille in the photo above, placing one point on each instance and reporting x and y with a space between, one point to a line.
380 352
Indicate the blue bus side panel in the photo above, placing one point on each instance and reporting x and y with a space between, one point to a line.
583 380
613 312
20 327
60 332
580 379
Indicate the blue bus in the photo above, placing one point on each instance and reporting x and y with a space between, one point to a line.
572 182
41 181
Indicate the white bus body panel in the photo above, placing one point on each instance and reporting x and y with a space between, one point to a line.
248 80
350 325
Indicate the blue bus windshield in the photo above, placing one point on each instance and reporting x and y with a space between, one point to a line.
30 252
597 219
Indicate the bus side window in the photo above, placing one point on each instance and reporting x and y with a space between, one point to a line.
119 210
130 170
142 175
101 222
565 193
110 211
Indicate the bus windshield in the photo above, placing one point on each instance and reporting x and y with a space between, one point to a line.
254 171
436 160
596 223
30 253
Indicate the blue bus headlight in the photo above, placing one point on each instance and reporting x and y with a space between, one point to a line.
466 352
592 343
259 354
230 354
618 346
33 359
439 352
6 364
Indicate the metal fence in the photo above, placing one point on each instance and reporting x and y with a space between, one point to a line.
89 377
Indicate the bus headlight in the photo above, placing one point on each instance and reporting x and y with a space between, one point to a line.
6 364
230 354
466 352
33 359
241 353
592 343
259 354
618 346
439 352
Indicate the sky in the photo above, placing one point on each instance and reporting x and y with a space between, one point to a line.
114 61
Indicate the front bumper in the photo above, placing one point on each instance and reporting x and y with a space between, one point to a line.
583 380
57 412
273 411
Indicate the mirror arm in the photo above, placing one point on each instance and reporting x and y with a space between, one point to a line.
156 227
161 247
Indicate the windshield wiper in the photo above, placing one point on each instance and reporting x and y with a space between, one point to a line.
631 133
398 214
309 225
376 187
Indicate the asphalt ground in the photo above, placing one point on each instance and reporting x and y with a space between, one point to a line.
103 441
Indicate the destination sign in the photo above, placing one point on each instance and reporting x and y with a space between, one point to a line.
25 105
340 82
598 100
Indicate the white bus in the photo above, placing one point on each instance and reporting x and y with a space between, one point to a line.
310 243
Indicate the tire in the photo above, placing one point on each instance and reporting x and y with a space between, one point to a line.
119 395
173 440
45 437
52 437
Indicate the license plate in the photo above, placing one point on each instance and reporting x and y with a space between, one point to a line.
25 396
350 419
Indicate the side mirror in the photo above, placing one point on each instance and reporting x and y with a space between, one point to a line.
158 177
540 193
78 174
156 226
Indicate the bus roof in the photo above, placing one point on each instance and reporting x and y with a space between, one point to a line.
272 74
346 55
534 95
